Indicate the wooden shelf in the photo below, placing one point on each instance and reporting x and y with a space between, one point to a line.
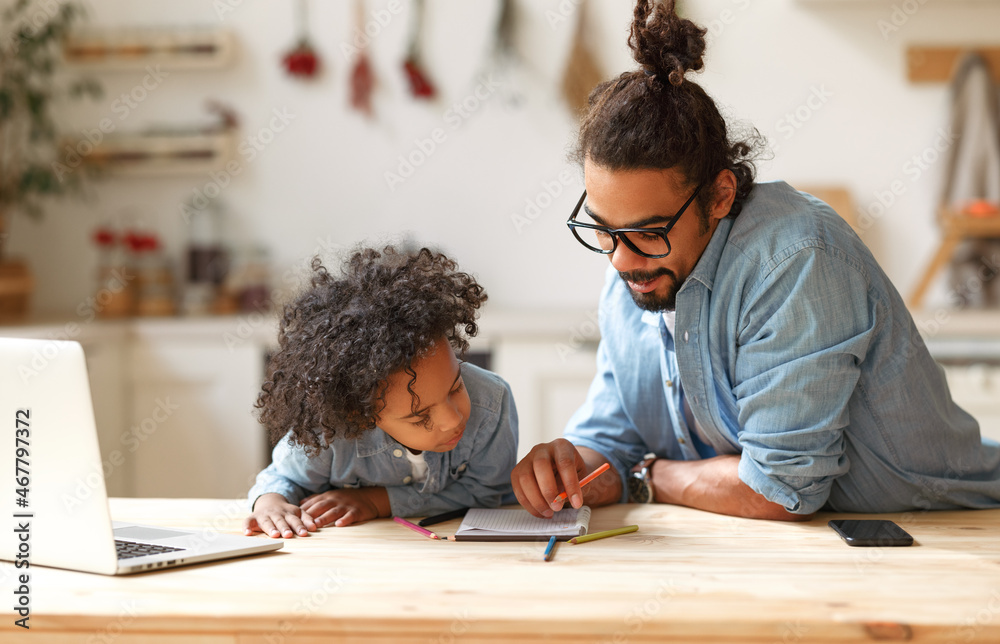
136 48
156 154
936 63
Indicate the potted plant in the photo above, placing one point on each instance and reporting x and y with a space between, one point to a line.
31 32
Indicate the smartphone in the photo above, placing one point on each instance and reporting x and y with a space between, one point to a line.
871 532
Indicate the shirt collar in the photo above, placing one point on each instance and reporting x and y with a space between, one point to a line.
708 265
374 442
706 268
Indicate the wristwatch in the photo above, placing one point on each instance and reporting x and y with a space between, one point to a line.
640 488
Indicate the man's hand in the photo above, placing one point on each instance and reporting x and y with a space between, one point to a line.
276 517
551 468
347 506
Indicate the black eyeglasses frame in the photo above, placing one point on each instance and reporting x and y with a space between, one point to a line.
616 233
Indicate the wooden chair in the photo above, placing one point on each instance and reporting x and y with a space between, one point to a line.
838 198
956 226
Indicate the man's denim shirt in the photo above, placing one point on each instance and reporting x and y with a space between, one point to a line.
476 473
796 352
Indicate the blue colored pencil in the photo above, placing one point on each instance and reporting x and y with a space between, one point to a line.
549 549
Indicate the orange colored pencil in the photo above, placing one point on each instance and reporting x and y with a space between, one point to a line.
587 479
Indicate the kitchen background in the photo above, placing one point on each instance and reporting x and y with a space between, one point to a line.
227 148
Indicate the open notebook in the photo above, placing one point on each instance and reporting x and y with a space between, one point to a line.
481 524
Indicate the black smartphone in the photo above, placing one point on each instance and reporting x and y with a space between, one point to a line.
871 532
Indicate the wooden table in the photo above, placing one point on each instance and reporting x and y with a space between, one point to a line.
685 576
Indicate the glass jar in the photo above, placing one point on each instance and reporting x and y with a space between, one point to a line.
113 288
154 280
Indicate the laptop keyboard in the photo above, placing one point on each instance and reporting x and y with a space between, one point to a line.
129 549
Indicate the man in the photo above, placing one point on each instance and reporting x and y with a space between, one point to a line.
751 345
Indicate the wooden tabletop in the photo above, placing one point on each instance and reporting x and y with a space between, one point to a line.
685 576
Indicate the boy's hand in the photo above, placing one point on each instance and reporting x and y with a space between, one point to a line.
347 506
276 517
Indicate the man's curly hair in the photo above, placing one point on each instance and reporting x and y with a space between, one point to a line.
342 338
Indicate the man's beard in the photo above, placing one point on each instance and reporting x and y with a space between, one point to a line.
651 301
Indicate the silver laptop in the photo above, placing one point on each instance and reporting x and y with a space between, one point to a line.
52 491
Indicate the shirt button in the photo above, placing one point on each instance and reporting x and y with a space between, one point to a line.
685 336
682 441
397 453
407 480
670 383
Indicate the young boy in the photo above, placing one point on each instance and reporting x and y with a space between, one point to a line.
374 414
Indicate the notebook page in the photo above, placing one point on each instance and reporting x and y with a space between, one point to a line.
566 521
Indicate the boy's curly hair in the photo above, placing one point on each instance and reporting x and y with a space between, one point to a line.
343 337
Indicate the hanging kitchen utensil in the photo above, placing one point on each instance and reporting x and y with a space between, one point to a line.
505 59
505 30
420 86
582 71
362 79
302 61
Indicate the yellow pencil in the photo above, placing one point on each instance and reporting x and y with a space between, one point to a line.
607 533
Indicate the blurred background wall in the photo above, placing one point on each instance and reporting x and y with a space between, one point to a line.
824 81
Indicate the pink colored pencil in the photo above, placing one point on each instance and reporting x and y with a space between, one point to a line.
415 527
587 479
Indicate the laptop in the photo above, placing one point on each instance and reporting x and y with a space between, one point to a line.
52 488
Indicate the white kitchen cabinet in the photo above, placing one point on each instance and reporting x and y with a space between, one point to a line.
967 345
976 389
549 379
191 431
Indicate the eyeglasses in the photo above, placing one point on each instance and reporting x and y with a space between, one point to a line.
645 242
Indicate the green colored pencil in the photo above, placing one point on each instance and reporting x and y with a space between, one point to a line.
607 533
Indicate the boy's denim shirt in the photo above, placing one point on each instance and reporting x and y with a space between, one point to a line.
476 473
796 352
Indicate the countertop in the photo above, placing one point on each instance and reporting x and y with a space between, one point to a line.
685 576
946 332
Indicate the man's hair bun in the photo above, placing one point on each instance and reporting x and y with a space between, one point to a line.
663 43
655 117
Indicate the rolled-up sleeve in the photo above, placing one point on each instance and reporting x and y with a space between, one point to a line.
805 329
